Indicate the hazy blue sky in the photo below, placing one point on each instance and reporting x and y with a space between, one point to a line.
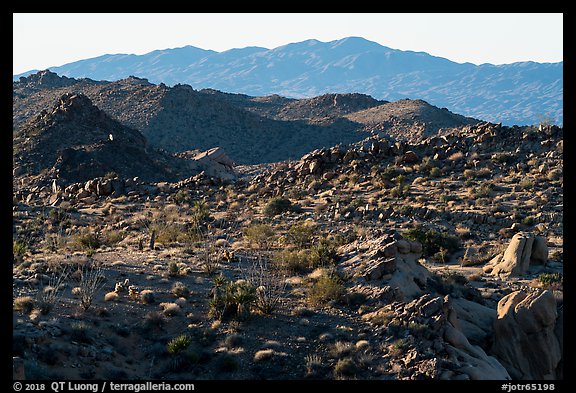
44 40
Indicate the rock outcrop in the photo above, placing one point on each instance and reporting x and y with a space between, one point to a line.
433 323
523 250
524 335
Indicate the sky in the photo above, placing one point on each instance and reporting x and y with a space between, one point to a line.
44 40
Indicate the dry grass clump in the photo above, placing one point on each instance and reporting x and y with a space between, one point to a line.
180 290
111 296
23 304
170 309
147 296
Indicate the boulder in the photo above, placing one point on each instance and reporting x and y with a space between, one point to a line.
410 157
524 249
379 268
524 335
104 188
215 163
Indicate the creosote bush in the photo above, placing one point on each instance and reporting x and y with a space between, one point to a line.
277 206
432 241
328 287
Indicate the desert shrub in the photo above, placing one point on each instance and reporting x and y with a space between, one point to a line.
201 213
340 349
87 240
435 172
227 363
147 296
170 309
231 299
301 234
23 304
485 190
260 234
268 281
153 320
502 157
550 279
91 280
178 344
401 189
180 290
80 332
456 156
529 220
293 261
469 173
323 254
173 269
278 205
112 237
483 173
345 367
328 287
432 241
181 197
526 183
49 294
452 277
19 248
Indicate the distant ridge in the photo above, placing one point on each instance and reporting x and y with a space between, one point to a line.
251 130
519 93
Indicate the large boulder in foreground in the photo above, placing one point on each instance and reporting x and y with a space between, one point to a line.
524 335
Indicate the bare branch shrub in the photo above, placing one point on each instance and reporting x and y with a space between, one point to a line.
48 295
91 280
269 281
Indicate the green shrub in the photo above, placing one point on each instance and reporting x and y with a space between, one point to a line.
301 234
178 344
277 206
323 254
231 299
200 213
19 248
345 367
549 279
181 197
260 234
297 261
328 287
88 241
432 241
173 269
526 183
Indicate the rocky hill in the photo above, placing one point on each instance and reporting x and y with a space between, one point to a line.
78 141
440 259
519 93
250 129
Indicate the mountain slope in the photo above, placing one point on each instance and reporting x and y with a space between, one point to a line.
518 93
250 129
77 141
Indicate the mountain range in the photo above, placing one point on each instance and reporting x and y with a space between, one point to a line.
251 130
518 93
